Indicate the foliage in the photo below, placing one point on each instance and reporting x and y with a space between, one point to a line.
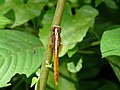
20 52
90 50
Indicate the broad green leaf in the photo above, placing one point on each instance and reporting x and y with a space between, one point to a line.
19 53
110 43
4 21
109 47
74 69
115 64
74 28
23 12
111 4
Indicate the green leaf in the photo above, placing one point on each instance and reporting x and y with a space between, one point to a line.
2 2
19 53
111 4
4 21
34 81
115 64
23 12
74 69
74 28
110 43
109 47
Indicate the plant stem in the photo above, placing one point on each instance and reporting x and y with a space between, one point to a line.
58 12
41 85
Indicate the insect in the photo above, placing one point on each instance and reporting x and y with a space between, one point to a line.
56 40
68 41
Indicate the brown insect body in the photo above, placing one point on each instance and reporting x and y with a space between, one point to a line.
55 49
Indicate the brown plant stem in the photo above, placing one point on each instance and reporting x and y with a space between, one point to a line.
41 85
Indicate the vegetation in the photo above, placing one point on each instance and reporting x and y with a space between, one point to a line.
89 53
